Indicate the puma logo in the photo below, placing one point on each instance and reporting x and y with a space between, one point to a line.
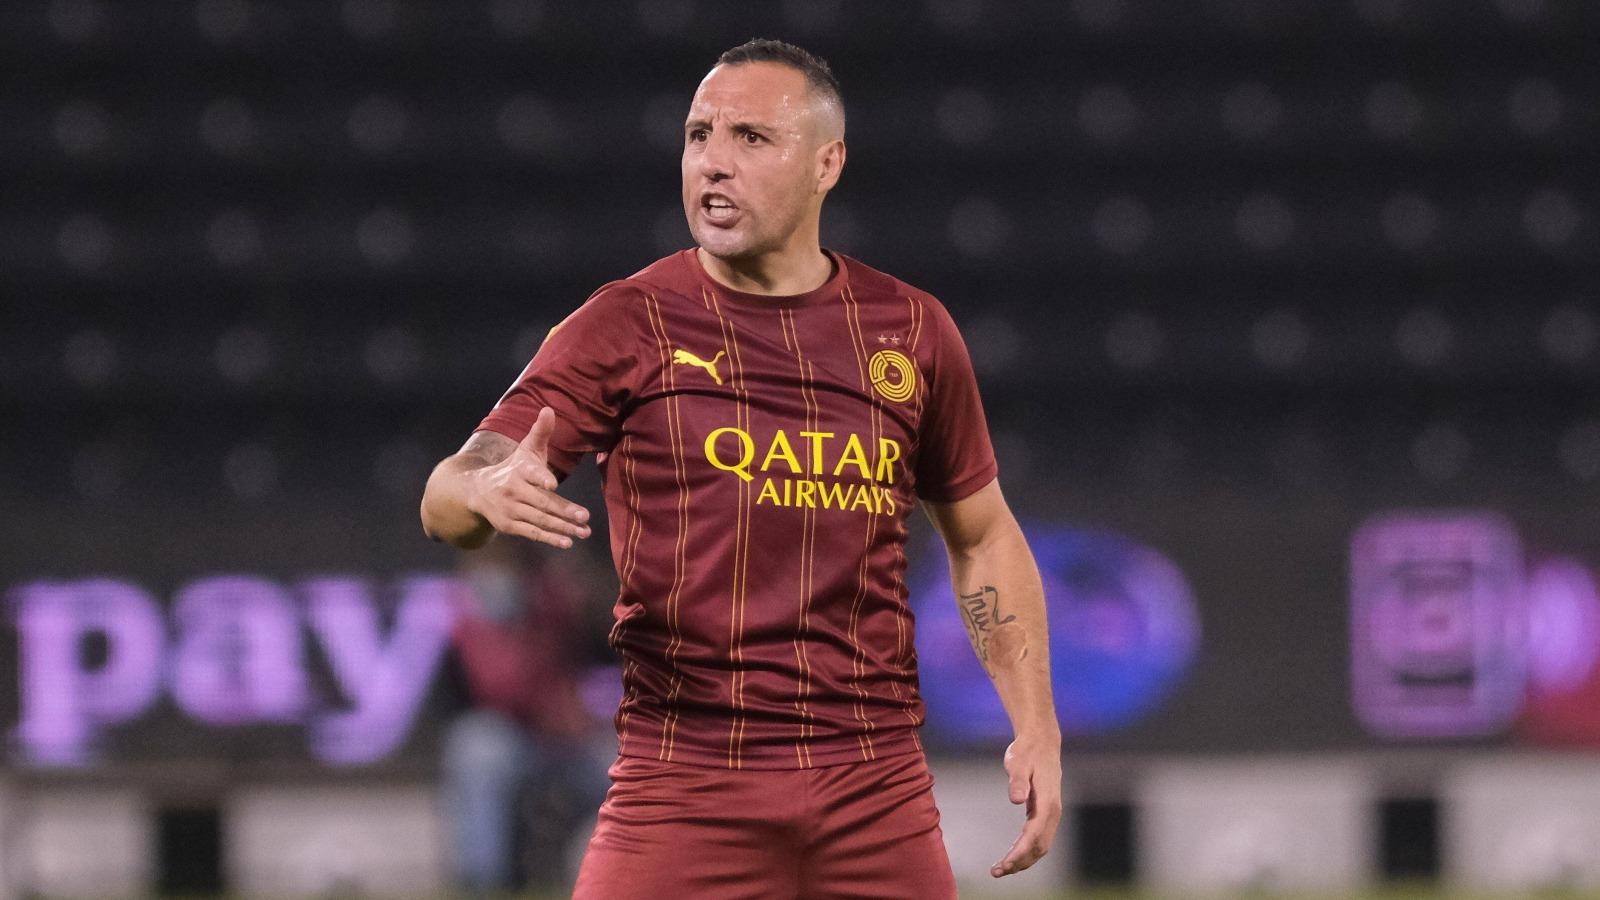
685 358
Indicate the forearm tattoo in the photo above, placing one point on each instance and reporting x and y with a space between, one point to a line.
980 612
485 448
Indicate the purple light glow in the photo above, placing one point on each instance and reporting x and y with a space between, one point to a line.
66 699
1563 624
385 681
95 653
1438 625
238 656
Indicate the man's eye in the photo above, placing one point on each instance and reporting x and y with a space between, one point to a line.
750 137
697 135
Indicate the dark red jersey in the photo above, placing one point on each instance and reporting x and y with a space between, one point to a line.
760 458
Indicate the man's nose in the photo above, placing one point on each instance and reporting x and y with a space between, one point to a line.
716 162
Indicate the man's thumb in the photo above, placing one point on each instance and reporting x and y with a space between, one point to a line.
1018 788
538 437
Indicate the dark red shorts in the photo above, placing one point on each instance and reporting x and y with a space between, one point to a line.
670 831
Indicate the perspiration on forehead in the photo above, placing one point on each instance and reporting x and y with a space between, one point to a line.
828 114
777 82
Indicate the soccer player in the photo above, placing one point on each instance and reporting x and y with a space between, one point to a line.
764 414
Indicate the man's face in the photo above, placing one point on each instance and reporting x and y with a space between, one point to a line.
751 159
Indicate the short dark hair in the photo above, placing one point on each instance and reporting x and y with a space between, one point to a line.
818 76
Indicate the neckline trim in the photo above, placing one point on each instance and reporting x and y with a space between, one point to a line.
833 286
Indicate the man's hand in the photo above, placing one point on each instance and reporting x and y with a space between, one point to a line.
517 494
1034 767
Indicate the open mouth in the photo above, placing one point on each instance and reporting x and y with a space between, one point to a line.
718 209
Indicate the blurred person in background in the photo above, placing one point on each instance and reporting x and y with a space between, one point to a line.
524 764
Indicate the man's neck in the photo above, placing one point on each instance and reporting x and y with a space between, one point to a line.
776 274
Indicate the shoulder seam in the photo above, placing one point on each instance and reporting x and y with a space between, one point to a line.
631 309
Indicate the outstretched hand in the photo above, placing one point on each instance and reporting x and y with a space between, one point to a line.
517 495
1034 768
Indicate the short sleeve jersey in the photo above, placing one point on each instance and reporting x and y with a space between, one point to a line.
760 458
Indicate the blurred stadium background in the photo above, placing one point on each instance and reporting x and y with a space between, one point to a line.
1285 313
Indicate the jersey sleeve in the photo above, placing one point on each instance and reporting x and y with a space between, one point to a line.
587 370
954 457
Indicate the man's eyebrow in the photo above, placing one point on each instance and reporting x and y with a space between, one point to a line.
736 126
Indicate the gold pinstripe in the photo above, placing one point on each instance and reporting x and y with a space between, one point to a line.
675 433
741 541
749 515
916 322
917 315
802 746
899 546
630 556
903 648
857 342
899 601
858 660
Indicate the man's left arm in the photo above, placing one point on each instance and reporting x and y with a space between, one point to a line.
1001 598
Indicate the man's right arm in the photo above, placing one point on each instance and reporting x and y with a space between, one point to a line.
494 484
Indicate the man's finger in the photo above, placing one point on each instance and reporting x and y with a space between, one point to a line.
533 515
537 439
535 472
1026 850
1021 782
1034 841
550 503
523 529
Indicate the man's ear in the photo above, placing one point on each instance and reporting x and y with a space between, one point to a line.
830 165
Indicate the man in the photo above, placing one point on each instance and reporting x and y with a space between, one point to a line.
764 412
523 765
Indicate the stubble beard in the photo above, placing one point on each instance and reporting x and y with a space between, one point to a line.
748 240
727 244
